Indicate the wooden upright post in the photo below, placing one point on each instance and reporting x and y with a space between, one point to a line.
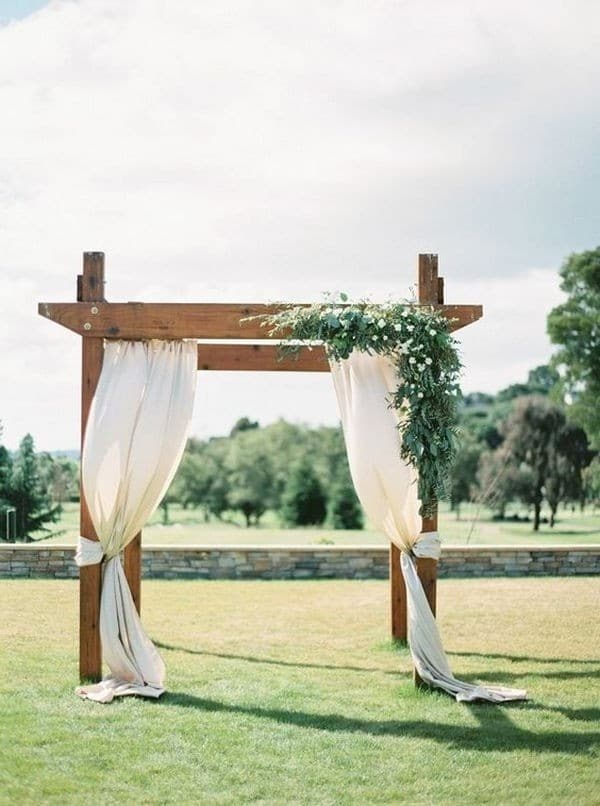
90 288
397 596
132 563
431 291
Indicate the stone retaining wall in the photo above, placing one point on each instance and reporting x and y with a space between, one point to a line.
307 562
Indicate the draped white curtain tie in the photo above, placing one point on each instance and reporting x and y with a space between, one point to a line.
134 440
88 552
428 544
387 488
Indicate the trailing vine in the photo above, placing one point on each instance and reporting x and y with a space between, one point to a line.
418 340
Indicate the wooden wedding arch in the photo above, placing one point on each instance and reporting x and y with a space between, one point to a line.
95 319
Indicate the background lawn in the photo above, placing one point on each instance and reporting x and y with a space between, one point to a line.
475 528
291 692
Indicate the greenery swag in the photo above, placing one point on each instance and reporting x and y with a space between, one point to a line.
418 341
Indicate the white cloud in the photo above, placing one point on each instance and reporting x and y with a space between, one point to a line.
224 150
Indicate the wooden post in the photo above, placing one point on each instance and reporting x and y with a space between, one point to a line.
431 290
90 288
397 596
132 563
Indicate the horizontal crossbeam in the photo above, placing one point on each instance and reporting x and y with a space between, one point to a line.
167 320
260 357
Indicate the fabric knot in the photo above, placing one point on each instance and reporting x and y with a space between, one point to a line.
428 544
89 552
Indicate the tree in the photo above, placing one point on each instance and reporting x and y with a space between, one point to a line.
201 479
304 501
569 455
575 327
591 482
540 381
556 452
344 508
250 475
243 424
502 480
464 471
531 432
60 476
5 476
27 492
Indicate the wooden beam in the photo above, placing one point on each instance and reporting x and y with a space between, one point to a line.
140 320
260 357
90 287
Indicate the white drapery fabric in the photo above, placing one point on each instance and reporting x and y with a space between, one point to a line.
387 488
135 436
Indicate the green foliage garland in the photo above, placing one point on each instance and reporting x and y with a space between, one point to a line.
418 340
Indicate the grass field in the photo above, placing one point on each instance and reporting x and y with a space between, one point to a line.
475 528
290 692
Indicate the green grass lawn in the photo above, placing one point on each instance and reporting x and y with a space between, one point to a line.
290 692
474 528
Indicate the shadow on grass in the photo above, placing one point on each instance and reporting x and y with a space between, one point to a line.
494 733
272 661
524 658
500 676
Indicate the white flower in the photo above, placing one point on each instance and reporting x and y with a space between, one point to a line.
385 338
421 367
410 328
432 332
419 394
429 361
408 342
397 327
381 323
375 337
405 312
412 360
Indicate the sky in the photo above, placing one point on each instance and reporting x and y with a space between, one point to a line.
260 151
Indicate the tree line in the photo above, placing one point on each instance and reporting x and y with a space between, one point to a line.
300 473
538 442
519 448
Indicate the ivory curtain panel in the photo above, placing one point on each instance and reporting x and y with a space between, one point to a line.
387 488
134 440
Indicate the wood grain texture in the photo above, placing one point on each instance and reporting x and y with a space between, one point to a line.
398 605
140 320
430 290
132 564
260 357
90 576
428 279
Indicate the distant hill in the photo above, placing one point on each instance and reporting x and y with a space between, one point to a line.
72 454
